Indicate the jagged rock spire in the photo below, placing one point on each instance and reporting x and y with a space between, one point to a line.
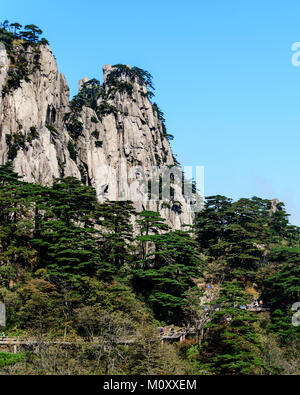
90 145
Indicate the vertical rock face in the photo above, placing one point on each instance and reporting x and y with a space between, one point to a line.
37 103
110 149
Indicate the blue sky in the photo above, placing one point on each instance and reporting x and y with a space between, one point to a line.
222 71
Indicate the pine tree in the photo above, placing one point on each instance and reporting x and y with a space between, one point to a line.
167 272
151 223
16 26
66 236
115 243
282 291
16 222
233 346
31 33
211 222
235 233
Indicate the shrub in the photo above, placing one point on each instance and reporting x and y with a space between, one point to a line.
95 134
52 129
72 151
73 125
105 109
94 120
22 66
34 134
14 143
7 358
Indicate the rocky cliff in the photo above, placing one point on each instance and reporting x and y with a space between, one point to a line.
99 138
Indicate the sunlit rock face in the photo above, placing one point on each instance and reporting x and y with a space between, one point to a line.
114 152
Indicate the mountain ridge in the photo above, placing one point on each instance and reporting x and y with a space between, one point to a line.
47 136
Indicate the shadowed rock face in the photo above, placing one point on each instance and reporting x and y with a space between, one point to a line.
130 136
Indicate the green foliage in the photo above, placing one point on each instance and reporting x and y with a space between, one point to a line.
6 38
17 141
83 173
16 252
104 109
44 41
233 333
237 231
143 76
40 306
52 129
7 359
94 120
23 62
34 134
249 242
168 266
160 116
95 134
73 268
73 125
121 86
31 33
135 74
283 290
72 151
64 248
170 137
116 243
87 96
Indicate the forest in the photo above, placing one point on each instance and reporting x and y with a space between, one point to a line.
74 269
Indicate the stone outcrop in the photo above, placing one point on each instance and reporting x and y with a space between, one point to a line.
112 152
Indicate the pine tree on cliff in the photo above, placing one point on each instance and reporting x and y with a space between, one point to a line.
31 33
16 27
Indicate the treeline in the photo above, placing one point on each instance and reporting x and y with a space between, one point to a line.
251 252
71 267
31 33
23 50
64 234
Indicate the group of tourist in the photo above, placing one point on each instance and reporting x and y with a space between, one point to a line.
162 331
